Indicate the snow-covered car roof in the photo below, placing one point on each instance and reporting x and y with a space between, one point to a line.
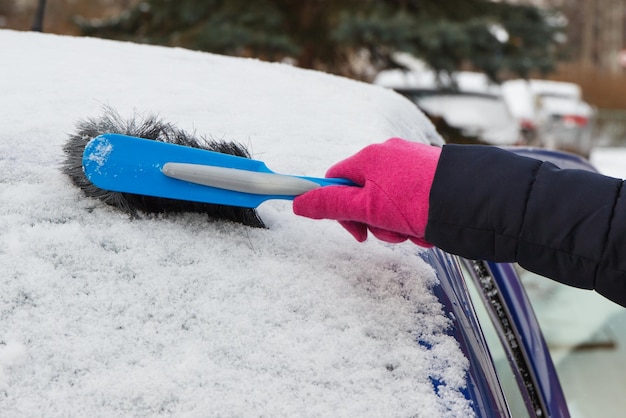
526 97
423 78
555 88
105 315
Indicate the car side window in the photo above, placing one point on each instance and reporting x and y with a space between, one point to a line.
586 335
504 367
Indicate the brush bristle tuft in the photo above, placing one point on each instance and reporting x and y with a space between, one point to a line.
149 127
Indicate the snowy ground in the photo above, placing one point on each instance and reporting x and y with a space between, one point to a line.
101 315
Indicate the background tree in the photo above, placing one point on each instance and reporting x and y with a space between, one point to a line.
39 16
355 38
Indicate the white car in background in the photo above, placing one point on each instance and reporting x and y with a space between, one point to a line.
552 114
484 116
467 101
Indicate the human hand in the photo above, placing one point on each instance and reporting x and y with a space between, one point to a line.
392 202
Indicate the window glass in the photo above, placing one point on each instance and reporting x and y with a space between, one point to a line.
586 336
506 375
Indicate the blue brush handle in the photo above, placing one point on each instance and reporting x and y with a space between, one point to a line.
128 164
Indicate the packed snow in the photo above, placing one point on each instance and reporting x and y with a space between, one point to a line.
103 315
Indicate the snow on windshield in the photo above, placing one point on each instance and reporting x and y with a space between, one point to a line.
103 315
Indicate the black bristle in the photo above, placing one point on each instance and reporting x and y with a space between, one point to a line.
149 127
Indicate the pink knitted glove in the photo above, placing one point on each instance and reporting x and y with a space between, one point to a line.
392 203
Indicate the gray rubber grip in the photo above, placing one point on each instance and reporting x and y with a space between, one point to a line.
239 180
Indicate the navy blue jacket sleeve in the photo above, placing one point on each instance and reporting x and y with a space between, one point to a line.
568 225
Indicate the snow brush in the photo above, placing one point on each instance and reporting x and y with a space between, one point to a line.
153 128
129 164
